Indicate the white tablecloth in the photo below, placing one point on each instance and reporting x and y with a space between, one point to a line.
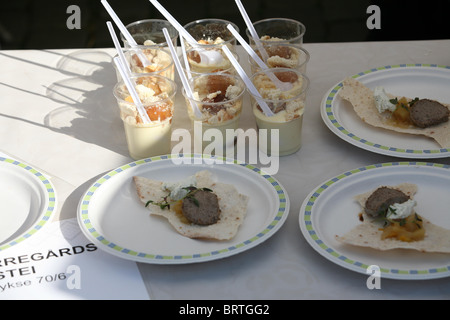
57 113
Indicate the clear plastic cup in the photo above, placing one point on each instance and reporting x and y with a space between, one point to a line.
211 33
157 95
278 29
283 55
150 29
288 107
219 98
221 63
161 62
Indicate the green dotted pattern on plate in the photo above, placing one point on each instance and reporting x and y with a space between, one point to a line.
333 120
51 195
91 229
312 233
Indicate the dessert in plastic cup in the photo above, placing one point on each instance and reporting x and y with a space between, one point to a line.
161 62
282 55
150 29
219 98
157 95
278 29
211 33
218 62
288 108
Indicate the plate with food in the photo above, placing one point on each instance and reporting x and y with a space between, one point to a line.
390 215
178 209
400 110
28 201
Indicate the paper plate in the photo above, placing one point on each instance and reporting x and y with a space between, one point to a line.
27 200
330 210
409 80
112 216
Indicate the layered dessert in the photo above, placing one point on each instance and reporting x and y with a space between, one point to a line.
283 56
288 108
278 29
219 99
156 94
161 62
206 56
211 32
211 60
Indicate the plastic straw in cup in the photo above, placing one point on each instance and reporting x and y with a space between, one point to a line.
130 86
185 59
279 84
205 55
248 82
182 75
125 33
252 30
173 22
118 47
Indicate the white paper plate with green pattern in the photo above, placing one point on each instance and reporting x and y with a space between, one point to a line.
330 210
28 201
112 216
410 80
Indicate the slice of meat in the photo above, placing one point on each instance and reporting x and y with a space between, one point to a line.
201 208
380 200
426 113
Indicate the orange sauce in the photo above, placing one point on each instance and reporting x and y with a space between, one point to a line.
410 229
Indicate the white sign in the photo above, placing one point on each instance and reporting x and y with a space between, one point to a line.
59 262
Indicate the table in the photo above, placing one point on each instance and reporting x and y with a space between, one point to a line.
58 115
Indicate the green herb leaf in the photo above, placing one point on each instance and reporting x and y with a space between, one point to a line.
394 101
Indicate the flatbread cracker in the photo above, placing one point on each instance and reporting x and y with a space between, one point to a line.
368 233
363 103
233 206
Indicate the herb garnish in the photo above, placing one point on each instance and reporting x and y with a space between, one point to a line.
400 104
164 203
192 192
382 216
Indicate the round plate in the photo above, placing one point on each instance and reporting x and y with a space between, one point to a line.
417 80
330 210
27 199
112 216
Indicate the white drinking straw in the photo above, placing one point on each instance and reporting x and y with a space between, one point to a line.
131 89
173 22
204 54
125 33
185 59
118 47
252 30
248 82
182 75
279 84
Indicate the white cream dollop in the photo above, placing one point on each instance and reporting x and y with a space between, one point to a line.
177 191
401 210
210 57
382 100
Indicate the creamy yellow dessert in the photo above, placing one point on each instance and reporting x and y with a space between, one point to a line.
288 108
148 139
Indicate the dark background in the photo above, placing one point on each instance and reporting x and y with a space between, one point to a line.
31 24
